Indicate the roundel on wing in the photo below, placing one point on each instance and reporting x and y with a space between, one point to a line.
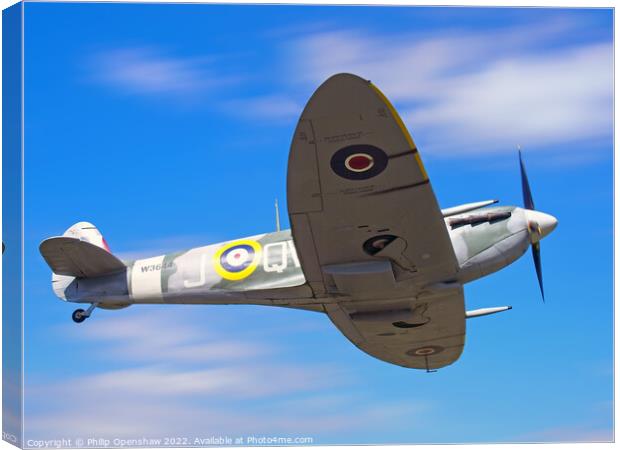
425 351
377 243
359 162
237 260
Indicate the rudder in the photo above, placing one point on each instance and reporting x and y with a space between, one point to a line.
86 231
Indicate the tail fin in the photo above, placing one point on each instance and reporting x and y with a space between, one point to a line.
81 252
86 231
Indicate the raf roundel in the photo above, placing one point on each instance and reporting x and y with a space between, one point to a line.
237 260
425 351
359 162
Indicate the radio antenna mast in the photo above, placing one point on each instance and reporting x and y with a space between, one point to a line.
277 216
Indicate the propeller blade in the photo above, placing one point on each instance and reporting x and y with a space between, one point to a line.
537 264
528 201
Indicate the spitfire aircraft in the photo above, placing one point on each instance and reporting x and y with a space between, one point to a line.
368 245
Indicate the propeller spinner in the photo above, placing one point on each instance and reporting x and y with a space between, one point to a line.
539 224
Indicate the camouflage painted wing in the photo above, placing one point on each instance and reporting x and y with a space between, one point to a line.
368 230
426 333
358 194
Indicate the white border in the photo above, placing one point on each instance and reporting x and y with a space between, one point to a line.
505 3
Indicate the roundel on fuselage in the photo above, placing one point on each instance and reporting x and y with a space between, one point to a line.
237 260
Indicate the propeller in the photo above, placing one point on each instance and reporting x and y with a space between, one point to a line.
534 227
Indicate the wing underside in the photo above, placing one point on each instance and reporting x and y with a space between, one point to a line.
368 230
358 192
425 333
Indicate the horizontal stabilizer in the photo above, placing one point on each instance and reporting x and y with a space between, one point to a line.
74 257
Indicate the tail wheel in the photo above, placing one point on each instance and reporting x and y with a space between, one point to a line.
79 316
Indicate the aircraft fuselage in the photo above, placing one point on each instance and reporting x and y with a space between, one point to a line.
265 269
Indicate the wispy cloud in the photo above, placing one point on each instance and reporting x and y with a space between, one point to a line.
153 337
272 108
242 381
474 92
531 100
167 375
151 72
461 92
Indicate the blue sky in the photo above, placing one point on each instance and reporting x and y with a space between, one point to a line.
168 126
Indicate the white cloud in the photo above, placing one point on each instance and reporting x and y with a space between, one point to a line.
272 108
477 92
459 91
149 72
92 408
531 100
124 416
154 336
163 372
243 381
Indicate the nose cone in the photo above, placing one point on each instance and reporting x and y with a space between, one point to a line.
546 222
